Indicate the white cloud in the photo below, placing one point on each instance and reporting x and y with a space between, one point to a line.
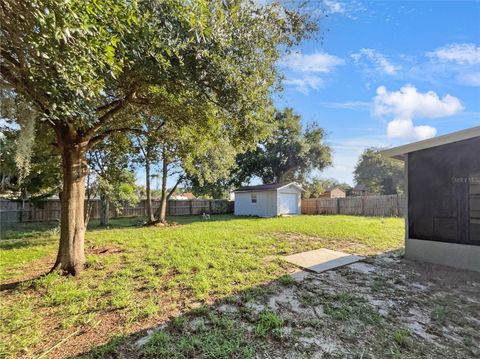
406 104
405 129
349 8
349 105
380 63
470 79
305 83
334 7
304 69
316 62
459 53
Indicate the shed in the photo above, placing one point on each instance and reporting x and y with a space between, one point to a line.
443 198
334 192
268 200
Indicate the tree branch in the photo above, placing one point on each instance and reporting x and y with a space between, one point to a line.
100 137
172 191
9 58
22 86
115 107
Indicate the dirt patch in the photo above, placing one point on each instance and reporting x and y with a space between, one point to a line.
105 250
385 307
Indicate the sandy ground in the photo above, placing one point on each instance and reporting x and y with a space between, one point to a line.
382 307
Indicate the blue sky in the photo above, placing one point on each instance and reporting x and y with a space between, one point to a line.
386 73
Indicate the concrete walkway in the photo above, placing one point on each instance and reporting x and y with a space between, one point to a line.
320 260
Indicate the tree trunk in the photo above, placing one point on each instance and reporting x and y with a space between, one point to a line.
88 203
71 254
150 218
104 210
163 201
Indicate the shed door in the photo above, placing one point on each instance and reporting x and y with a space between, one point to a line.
288 203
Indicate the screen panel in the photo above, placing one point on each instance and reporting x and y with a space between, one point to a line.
444 193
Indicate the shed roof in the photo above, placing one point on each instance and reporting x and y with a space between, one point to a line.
400 151
360 187
267 187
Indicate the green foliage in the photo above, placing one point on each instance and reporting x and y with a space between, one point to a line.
110 176
18 317
286 280
223 339
381 175
267 322
289 154
346 306
76 61
402 337
40 175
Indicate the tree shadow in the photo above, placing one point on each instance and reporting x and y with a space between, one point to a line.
297 315
226 328
20 283
34 230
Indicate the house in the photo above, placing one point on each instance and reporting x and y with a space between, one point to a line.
360 190
443 198
268 200
183 196
334 192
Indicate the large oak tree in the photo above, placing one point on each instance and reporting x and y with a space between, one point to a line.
381 175
81 64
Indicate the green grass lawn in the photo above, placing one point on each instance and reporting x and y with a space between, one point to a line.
138 276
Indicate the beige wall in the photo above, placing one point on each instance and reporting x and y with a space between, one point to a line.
335 193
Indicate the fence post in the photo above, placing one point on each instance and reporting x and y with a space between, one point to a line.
191 206
210 206
338 205
363 205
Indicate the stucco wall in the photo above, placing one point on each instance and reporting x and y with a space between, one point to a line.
456 255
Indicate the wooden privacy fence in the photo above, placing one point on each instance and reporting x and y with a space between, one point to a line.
381 206
49 210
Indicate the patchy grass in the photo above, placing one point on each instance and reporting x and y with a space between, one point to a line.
315 319
138 276
267 322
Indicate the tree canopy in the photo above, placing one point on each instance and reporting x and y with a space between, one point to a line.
381 175
82 66
290 153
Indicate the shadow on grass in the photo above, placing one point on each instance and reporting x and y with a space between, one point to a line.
37 229
20 283
281 318
238 326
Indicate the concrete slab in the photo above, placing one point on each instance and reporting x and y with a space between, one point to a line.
320 260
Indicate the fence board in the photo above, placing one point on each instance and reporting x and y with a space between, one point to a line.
49 210
380 206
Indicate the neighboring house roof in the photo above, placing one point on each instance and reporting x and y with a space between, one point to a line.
186 195
189 195
400 151
267 187
360 187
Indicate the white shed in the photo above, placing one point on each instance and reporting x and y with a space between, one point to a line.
268 200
